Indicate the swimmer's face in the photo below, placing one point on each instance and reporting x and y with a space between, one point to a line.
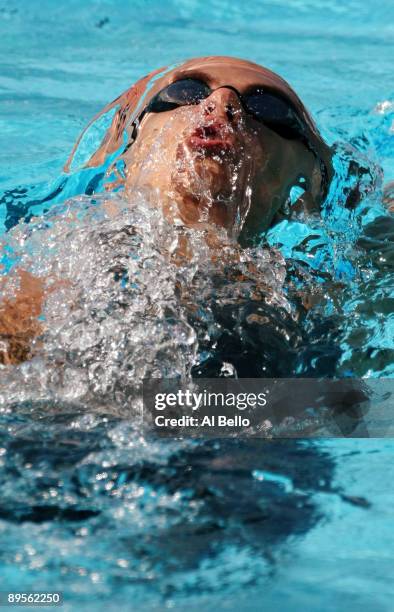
213 155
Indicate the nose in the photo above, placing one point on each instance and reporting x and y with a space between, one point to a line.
223 103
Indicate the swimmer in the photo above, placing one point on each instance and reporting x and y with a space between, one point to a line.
234 139
220 141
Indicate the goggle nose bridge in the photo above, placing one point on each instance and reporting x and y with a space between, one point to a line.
229 108
239 96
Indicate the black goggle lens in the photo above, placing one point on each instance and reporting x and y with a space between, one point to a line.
181 93
274 112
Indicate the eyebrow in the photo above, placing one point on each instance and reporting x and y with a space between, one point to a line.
200 75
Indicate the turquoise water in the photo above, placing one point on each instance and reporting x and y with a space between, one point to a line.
89 504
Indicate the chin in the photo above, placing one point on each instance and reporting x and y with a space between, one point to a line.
209 187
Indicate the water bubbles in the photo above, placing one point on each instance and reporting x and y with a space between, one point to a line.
128 295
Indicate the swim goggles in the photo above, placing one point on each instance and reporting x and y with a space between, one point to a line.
267 107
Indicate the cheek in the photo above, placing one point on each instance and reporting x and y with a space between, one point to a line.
273 161
255 160
256 144
268 171
163 128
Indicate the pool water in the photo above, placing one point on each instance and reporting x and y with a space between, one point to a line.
93 506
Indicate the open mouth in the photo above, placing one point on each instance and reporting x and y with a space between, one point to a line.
212 138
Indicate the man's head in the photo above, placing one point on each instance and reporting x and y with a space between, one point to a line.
223 141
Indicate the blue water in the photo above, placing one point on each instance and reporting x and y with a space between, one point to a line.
91 507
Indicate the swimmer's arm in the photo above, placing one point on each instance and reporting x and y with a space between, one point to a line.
19 323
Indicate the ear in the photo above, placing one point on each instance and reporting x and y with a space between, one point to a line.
112 139
128 106
315 180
